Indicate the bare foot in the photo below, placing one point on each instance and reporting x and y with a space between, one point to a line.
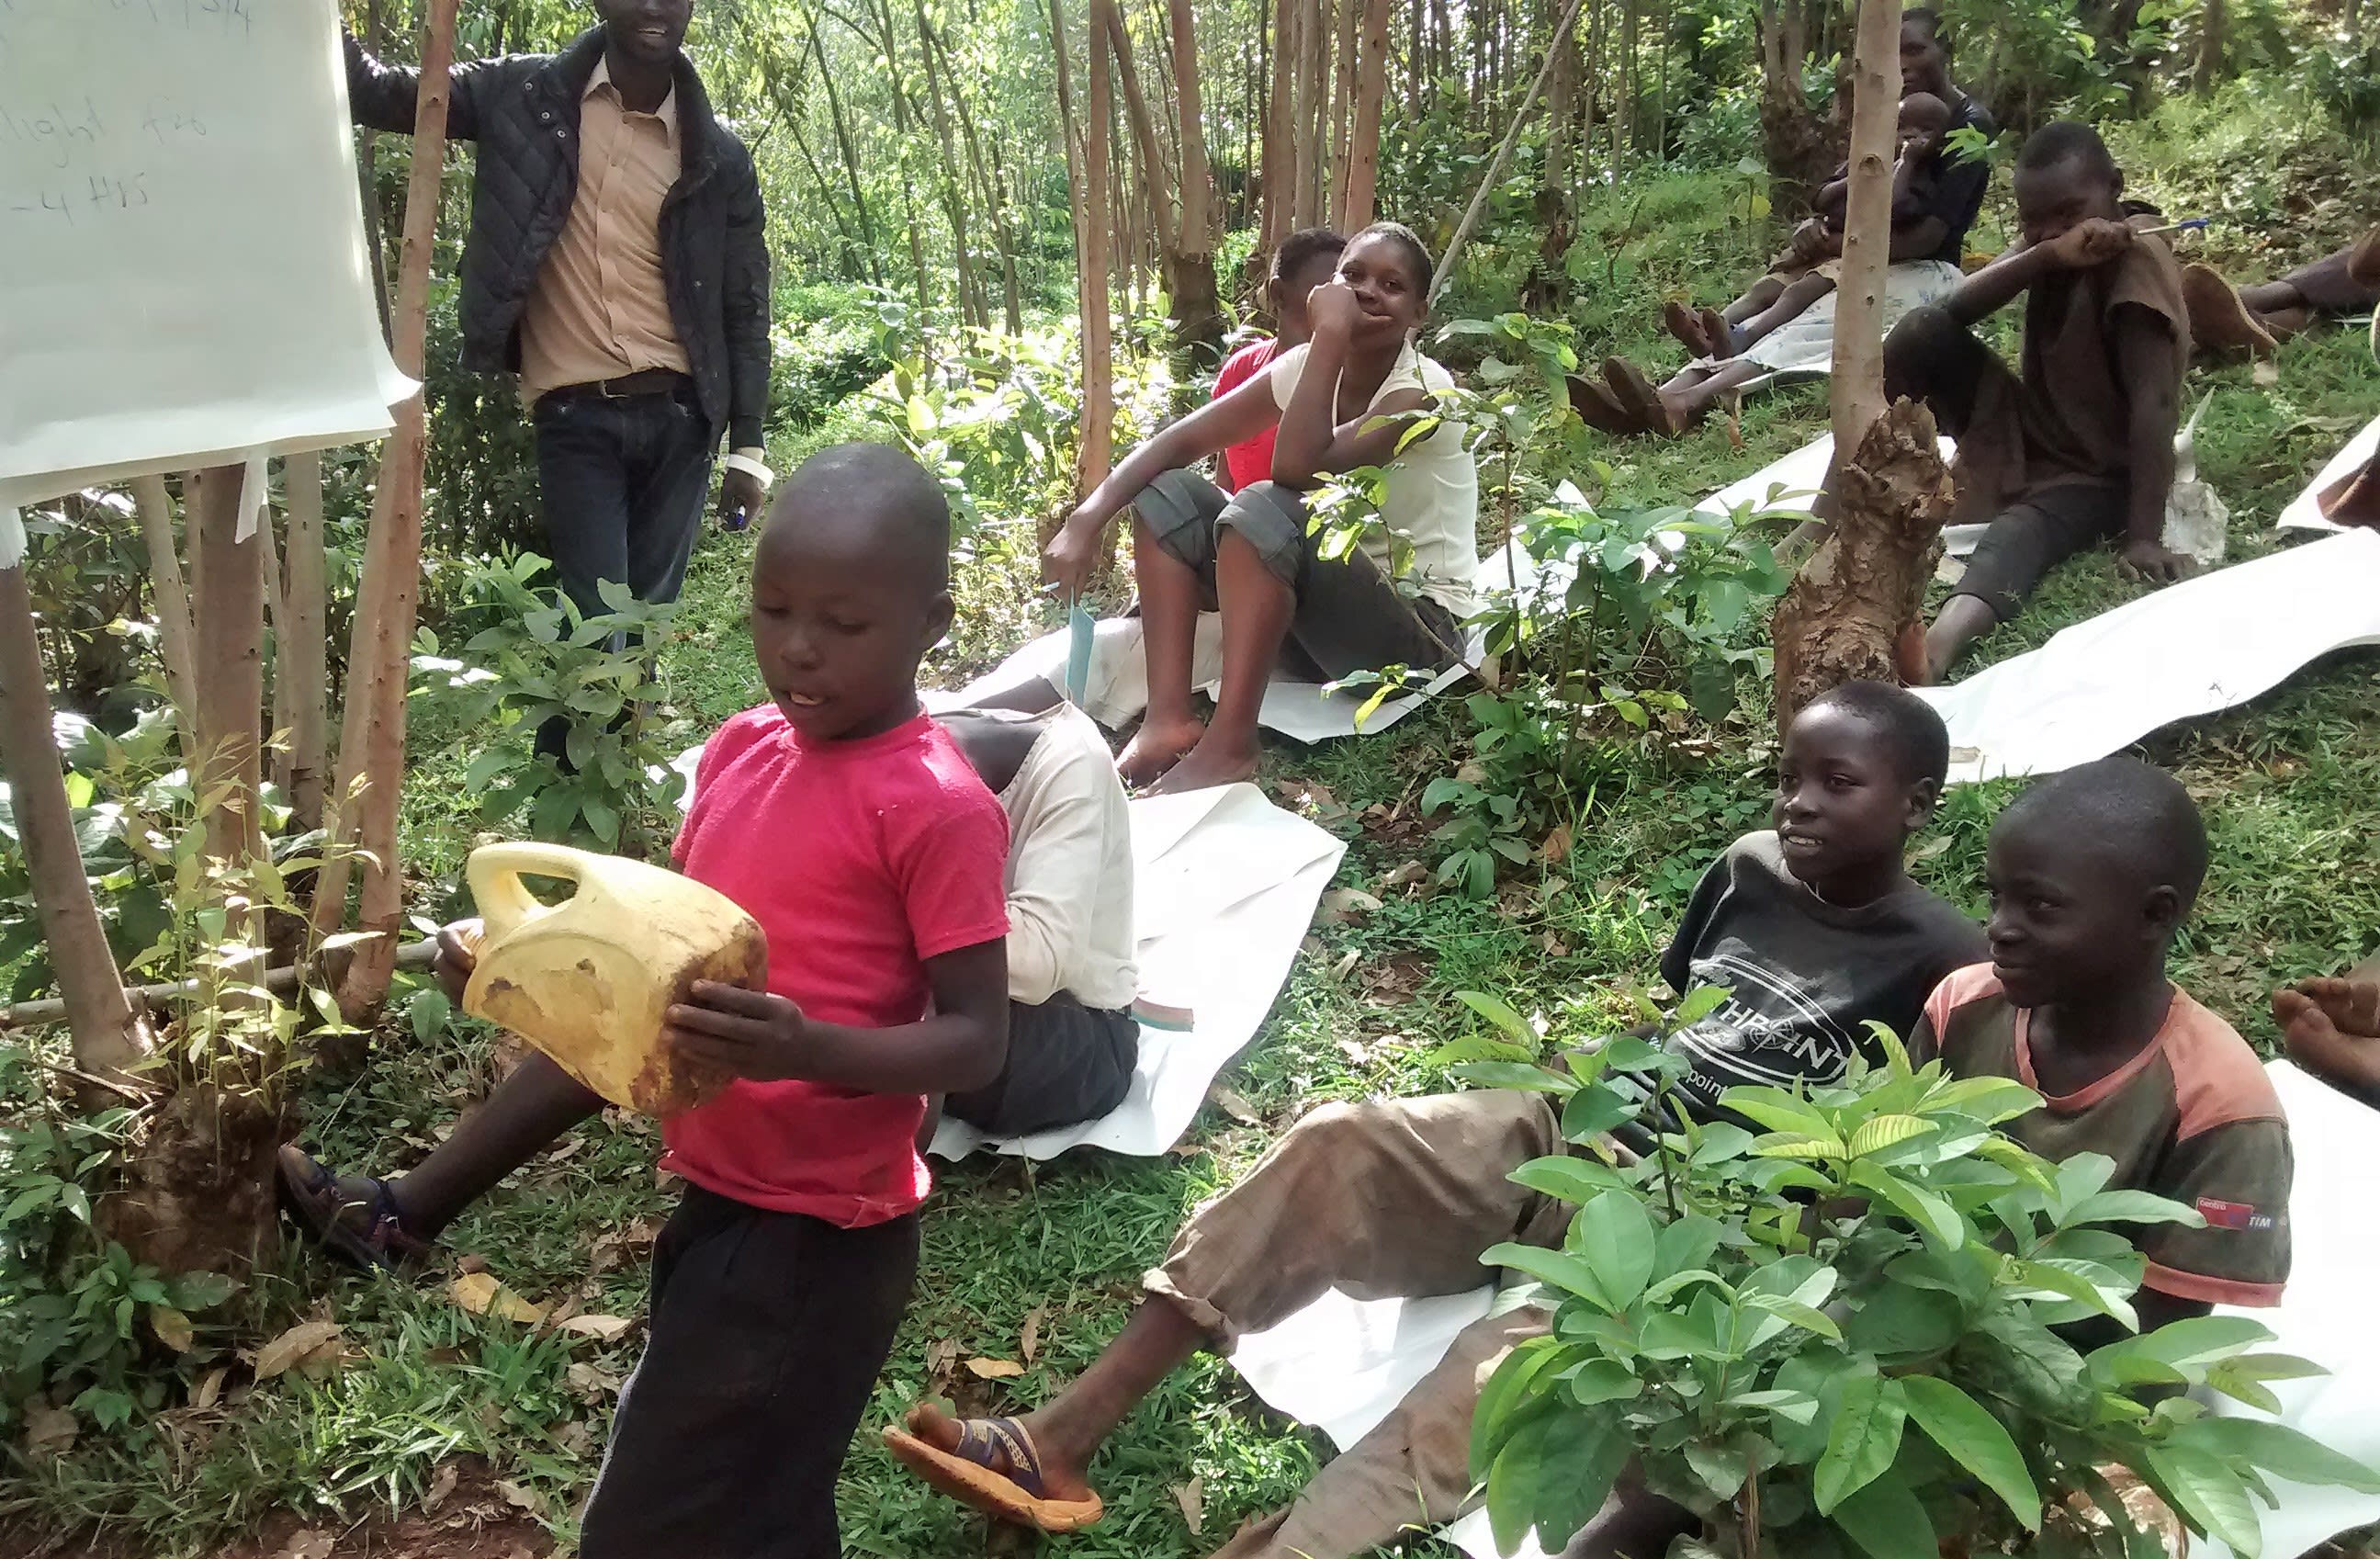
1209 763
1064 1474
1688 327
2218 319
1634 392
1598 407
1156 748
1721 334
2332 1029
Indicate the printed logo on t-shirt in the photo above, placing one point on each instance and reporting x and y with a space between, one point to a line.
2222 1215
1770 1029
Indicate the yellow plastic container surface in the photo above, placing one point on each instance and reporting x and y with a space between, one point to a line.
588 979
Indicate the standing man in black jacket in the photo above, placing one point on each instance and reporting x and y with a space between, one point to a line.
615 263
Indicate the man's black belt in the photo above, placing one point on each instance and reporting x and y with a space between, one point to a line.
650 382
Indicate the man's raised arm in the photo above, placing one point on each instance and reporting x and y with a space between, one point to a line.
384 97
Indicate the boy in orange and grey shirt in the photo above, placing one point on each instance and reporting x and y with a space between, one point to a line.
2091 873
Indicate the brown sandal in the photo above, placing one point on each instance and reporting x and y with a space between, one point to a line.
967 1475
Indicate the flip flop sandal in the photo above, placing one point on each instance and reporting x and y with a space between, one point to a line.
1598 407
1633 391
312 1192
967 1475
1689 327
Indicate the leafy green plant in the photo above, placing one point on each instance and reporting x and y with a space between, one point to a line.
1840 1335
540 659
85 1329
1622 623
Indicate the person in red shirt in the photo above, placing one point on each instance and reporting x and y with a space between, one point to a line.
852 828
1306 259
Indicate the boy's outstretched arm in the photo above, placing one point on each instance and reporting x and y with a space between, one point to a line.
2145 354
960 1046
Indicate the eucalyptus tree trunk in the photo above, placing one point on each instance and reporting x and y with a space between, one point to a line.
1854 609
1360 188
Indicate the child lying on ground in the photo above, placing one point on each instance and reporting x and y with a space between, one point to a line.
1072 1042
1811 263
849 826
1817 929
2257 317
2092 872
2075 445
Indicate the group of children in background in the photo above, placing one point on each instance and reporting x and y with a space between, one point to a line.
947 903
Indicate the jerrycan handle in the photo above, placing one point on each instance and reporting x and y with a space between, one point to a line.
494 873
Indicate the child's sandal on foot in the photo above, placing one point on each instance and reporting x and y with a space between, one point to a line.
968 1475
375 1237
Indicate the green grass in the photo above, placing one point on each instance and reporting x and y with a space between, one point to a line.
2287 784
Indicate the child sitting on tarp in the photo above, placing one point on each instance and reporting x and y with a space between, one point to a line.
1816 929
1306 259
2092 872
2074 446
1811 263
1072 1042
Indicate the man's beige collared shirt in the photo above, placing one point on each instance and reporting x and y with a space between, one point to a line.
599 307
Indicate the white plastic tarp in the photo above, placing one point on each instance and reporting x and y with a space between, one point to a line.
2325 1313
2189 650
1224 886
2304 511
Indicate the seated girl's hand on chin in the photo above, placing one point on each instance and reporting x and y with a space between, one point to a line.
1333 310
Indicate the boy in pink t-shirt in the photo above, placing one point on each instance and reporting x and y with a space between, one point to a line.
1306 259
849 826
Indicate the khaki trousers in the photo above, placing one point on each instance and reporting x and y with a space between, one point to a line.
1397 1197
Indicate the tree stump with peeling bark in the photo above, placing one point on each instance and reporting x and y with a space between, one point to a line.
1853 611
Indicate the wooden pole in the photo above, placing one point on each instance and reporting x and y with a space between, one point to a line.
1096 450
172 603
1503 152
1858 378
301 655
107 1038
371 742
229 618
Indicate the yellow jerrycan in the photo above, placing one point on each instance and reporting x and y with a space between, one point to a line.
587 981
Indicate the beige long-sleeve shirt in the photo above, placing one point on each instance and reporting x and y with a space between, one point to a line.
1070 889
599 309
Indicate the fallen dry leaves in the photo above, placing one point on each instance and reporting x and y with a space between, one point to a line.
994 1369
479 1294
1028 1341
49 1431
309 1346
1192 1498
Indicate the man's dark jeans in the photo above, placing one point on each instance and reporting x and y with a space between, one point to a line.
624 482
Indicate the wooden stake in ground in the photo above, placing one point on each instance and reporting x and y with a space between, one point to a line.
173 605
1854 610
107 1038
300 655
229 618
371 742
